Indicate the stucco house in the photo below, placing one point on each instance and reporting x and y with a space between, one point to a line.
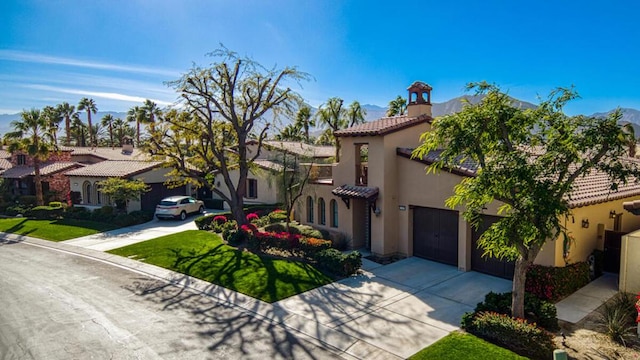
383 200
262 181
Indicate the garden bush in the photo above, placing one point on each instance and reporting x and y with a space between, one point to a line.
204 222
44 212
326 234
56 204
277 216
541 312
311 246
340 241
28 200
276 228
555 283
18 209
338 263
309 231
78 213
516 335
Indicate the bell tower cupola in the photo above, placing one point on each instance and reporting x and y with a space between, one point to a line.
419 99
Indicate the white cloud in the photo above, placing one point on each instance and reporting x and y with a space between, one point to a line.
20 56
98 94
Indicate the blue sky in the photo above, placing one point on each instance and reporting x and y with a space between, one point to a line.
121 52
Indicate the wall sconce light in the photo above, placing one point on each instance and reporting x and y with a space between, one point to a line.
612 214
585 223
377 211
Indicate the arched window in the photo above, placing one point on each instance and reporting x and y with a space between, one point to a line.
322 214
86 192
309 209
98 196
334 212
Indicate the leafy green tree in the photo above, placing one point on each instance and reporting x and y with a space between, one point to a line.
528 162
122 129
225 105
89 105
335 117
31 136
67 111
122 190
292 179
397 106
107 121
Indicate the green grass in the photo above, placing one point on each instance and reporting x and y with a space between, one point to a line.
203 255
462 346
54 230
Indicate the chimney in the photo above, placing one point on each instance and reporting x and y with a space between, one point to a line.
419 99
127 145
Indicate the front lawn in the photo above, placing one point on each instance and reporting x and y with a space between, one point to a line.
54 230
203 255
462 346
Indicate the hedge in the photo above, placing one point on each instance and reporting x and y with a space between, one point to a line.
555 283
45 212
538 311
338 263
516 335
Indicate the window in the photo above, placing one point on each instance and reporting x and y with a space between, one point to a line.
87 192
322 217
309 209
334 213
251 190
22 160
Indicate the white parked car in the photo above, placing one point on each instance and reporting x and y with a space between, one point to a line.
178 207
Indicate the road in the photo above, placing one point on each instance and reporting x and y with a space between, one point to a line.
55 305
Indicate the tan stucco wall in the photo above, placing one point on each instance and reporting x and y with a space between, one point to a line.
268 192
77 183
629 264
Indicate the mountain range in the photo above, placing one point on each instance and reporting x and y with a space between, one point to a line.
375 112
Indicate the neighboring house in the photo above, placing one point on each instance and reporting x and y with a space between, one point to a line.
262 181
73 173
126 162
383 200
21 175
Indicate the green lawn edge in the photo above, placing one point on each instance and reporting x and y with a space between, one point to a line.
464 346
205 256
53 230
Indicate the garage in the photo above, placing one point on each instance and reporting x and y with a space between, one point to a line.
157 192
491 266
435 234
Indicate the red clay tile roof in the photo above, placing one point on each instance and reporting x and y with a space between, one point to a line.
114 168
299 148
594 188
106 153
383 126
19 172
358 192
5 164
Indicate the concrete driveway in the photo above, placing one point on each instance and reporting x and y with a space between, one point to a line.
395 309
118 238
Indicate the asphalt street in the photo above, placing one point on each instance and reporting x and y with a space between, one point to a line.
55 305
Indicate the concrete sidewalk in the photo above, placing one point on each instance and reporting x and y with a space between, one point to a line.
389 312
581 303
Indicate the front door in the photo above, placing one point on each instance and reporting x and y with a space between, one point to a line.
612 245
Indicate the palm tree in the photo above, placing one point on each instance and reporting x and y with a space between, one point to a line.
78 130
67 112
304 121
98 133
90 106
136 114
31 136
355 114
107 120
290 132
397 106
150 111
630 136
53 118
122 129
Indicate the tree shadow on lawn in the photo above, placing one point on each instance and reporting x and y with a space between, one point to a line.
15 229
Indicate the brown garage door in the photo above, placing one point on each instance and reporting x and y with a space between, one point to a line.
435 234
159 191
488 265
